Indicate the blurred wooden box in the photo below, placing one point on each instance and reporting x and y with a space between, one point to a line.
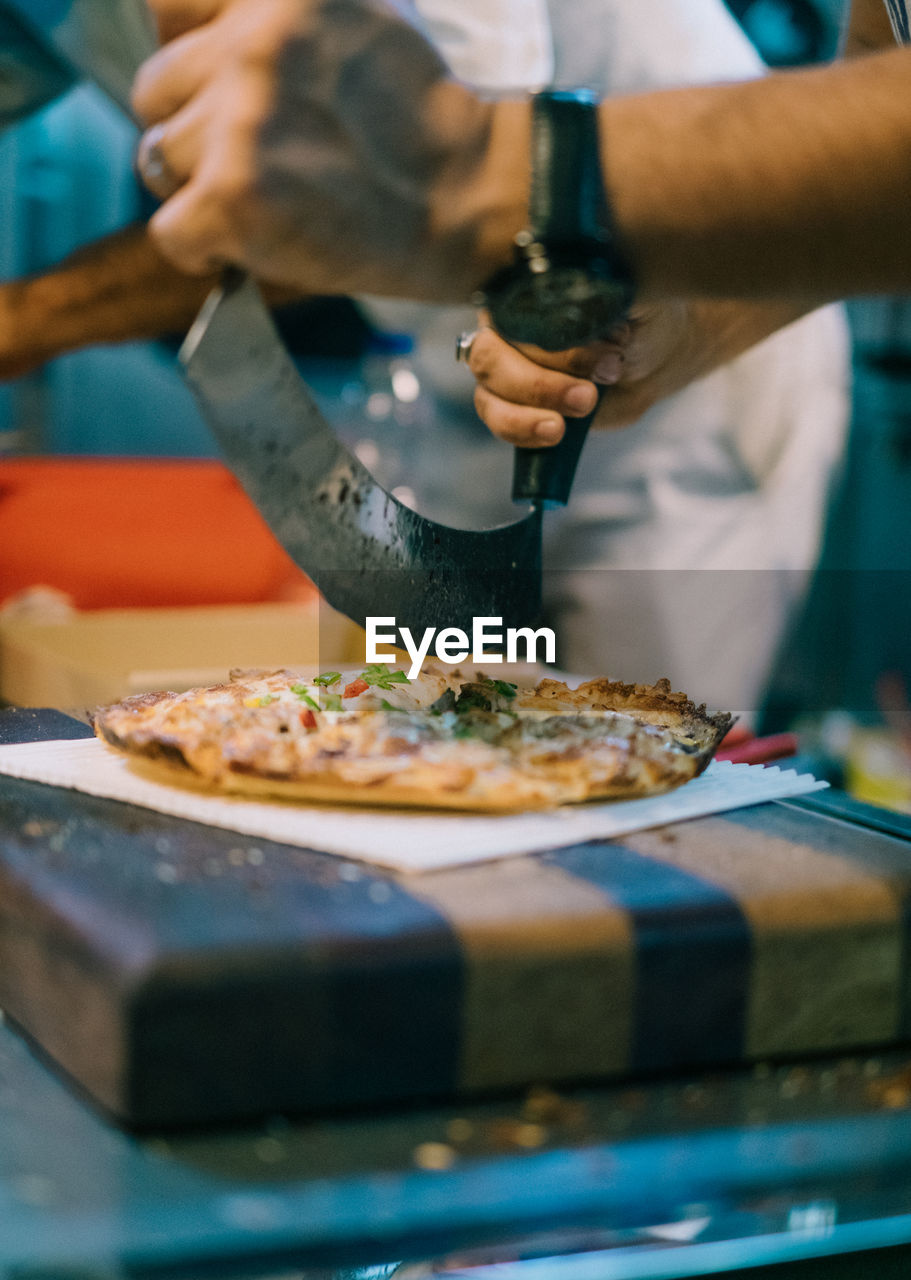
102 655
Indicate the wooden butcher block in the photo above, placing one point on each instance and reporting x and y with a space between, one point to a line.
181 974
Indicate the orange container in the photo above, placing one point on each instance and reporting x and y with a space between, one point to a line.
134 533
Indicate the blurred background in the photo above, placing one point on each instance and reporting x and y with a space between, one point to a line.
66 178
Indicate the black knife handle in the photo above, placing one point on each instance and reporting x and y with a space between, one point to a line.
544 476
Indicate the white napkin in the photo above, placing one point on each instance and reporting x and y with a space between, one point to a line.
405 840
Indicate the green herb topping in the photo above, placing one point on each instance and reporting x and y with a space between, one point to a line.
303 693
328 678
472 698
381 677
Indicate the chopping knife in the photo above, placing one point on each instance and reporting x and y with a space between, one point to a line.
367 552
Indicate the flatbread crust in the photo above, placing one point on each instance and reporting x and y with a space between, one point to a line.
441 741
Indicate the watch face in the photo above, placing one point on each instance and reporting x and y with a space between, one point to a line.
556 309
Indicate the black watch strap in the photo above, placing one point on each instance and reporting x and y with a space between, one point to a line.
569 281
567 205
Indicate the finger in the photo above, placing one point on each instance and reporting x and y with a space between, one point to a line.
578 362
602 362
515 423
211 221
174 17
172 76
511 376
168 153
192 232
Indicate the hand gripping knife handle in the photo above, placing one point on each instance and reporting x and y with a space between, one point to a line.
544 476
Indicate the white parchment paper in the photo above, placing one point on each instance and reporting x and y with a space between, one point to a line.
405 840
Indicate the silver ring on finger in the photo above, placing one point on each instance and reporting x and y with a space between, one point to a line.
153 165
464 343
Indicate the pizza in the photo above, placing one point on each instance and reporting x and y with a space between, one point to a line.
447 739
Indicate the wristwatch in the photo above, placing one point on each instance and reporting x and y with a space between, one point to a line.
569 282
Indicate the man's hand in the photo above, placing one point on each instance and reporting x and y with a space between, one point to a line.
524 395
322 143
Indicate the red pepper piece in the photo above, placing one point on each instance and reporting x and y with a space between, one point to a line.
355 687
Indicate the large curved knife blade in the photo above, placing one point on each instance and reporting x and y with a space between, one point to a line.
368 554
